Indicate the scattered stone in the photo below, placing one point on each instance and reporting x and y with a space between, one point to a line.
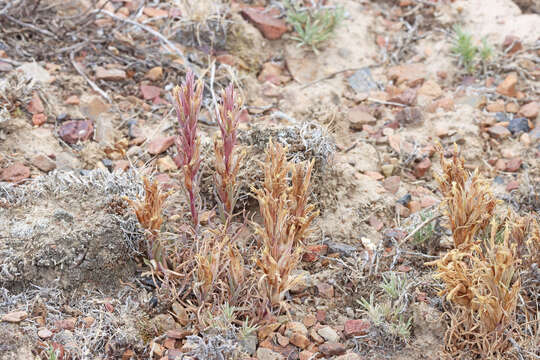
66 161
407 97
163 321
282 340
519 125
358 117
43 163
410 115
497 106
160 144
512 108
267 354
36 72
5 67
65 324
530 110
508 86
72 100
39 119
513 165
179 334
306 355
422 167
15 316
44 333
266 330
155 12
391 184
15 173
249 344
166 164
410 74
499 131
321 314
328 334
93 107
512 185
150 92
525 139
349 356
511 44
403 211
299 340
110 74
430 88
76 130
325 290
345 250
313 252
271 27
309 320
295 327
155 73
356 327
315 336
332 349
387 169
270 72
35 105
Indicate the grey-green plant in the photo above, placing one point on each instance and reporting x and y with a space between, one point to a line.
427 231
468 54
394 284
247 329
313 25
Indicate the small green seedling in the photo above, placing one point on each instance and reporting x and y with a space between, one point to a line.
313 25
468 53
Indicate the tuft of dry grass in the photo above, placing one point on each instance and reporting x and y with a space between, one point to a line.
467 199
287 216
150 217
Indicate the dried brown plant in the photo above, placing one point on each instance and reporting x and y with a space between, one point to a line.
287 215
468 200
149 214
210 264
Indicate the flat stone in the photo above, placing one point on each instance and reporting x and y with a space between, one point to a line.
43 163
422 167
511 44
391 184
166 163
15 173
296 327
430 88
358 117
271 27
36 72
15 316
110 74
299 340
410 115
410 74
39 119
508 86
407 97
519 125
155 12
328 334
160 144
150 92
267 354
499 131
35 105
530 110
76 130
357 327
513 165
155 73
332 349
45 333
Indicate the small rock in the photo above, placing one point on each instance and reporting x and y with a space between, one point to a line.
325 290
165 322
530 110
15 173
315 336
110 74
345 250
332 349
356 327
512 185
519 125
313 252
43 163
495 106
513 165
391 184
179 334
94 106
270 72
181 313
166 164
155 73
150 92
321 314
328 334
403 211
511 44
499 131
407 97
299 340
358 117
295 327
411 74
512 108
65 324
155 12
160 144
309 320
422 167
267 354
430 88
45 333
76 130
508 86
36 72
266 330
35 105
15 316
271 27
349 356
39 119
282 340
5 67
306 355
88 321
66 161
525 139
72 100
410 115
387 169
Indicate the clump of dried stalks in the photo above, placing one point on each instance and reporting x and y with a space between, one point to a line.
481 275
287 217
